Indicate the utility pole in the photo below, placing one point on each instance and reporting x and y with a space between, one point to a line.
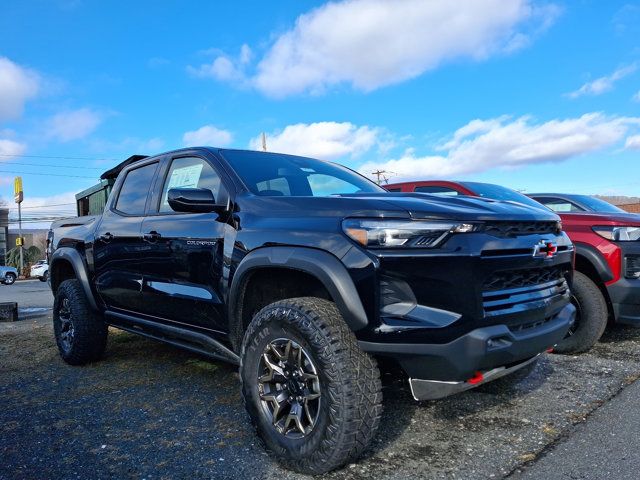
18 197
264 142
381 174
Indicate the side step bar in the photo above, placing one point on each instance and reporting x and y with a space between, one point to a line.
173 335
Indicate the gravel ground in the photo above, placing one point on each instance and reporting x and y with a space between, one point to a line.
152 411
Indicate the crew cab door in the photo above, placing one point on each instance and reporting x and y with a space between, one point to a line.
118 241
182 262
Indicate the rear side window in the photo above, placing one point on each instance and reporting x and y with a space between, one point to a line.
559 205
434 190
189 172
133 194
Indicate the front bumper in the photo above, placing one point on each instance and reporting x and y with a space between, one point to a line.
481 350
436 389
625 293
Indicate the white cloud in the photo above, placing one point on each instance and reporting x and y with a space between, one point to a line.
325 140
484 144
369 44
73 125
223 67
207 135
17 86
632 142
604 84
10 149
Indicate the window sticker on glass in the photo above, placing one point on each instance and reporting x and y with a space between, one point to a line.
185 177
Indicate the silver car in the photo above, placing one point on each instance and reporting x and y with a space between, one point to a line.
8 275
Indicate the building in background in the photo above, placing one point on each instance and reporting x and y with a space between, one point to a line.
4 235
93 200
630 207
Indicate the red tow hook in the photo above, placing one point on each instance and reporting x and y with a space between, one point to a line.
550 350
476 379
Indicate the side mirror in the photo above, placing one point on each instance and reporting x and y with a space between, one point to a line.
193 200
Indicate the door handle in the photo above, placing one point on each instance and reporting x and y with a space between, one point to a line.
106 237
152 236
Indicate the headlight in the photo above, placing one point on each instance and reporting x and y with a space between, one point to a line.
402 233
618 234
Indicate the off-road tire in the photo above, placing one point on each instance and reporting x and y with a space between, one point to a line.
592 316
350 386
9 279
89 337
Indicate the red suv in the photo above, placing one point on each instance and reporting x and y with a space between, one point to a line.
606 283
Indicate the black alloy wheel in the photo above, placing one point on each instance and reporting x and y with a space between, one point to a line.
289 388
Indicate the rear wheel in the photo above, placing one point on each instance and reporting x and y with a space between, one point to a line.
312 394
591 316
81 335
9 279
44 277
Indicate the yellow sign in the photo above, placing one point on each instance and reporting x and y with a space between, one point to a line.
17 189
19 242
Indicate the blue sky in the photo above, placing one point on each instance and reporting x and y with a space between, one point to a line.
531 95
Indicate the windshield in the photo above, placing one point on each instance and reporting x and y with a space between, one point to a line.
596 205
496 192
277 175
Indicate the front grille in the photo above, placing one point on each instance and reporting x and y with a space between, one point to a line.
514 229
632 266
514 291
522 278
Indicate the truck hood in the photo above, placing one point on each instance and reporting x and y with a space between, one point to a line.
461 207
398 205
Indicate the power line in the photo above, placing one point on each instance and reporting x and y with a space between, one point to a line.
46 174
58 157
51 165
44 206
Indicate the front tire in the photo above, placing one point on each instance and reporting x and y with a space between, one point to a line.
81 335
9 279
314 397
591 316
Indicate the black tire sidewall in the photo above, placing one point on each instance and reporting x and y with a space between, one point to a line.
90 331
278 327
61 294
593 316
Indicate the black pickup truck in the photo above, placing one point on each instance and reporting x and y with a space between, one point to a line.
305 273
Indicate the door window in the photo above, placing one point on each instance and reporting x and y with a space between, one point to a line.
132 198
189 172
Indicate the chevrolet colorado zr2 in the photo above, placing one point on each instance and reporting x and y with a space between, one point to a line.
304 274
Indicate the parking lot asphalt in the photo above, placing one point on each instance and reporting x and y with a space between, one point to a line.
149 410
33 296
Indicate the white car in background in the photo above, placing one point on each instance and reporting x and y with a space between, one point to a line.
40 270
